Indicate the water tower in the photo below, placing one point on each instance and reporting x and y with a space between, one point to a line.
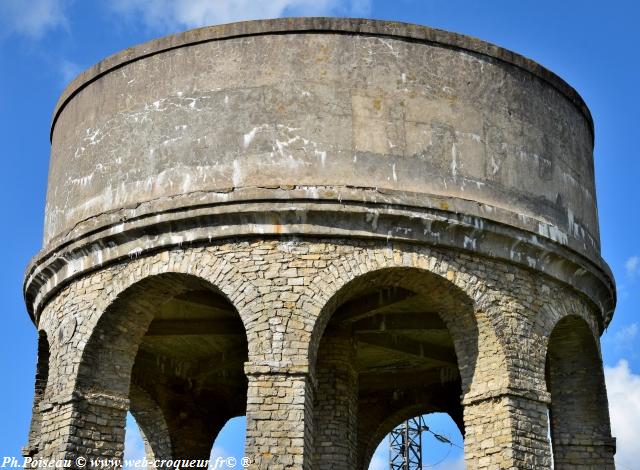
331 226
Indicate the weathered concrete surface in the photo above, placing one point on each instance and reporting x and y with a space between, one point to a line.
329 225
341 110
362 110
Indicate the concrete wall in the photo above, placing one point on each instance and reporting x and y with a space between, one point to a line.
316 109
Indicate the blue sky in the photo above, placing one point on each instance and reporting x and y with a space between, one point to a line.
591 44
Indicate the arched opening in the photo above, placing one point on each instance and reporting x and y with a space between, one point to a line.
229 442
150 423
579 411
436 435
392 349
135 445
42 376
173 348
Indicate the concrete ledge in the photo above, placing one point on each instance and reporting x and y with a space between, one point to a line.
539 396
113 237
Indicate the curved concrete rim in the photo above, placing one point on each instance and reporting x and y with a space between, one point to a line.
125 237
398 30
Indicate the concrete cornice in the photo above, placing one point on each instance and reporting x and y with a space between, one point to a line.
276 212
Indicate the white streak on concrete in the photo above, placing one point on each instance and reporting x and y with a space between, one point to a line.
388 44
237 174
454 160
249 136
322 155
469 242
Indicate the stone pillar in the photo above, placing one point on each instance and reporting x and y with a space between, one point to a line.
579 441
588 454
279 415
97 429
504 430
336 404
86 423
56 428
579 409
42 374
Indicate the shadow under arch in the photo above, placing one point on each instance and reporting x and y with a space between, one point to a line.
392 341
579 411
177 338
385 287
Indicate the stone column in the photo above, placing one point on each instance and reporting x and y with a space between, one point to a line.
79 419
279 414
589 454
58 432
506 407
336 404
504 430
42 373
579 408
96 429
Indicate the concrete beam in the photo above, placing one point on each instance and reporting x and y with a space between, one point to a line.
205 298
409 346
397 323
374 382
369 305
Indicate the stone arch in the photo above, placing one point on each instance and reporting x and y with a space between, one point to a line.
150 420
367 447
463 325
120 328
112 361
579 412
42 376
423 320
85 302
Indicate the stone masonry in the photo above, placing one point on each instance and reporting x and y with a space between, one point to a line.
329 226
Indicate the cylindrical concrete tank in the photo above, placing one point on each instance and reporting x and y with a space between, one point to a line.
329 225
322 126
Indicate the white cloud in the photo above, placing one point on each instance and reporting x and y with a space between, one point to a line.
632 265
178 14
623 389
31 18
217 451
219 458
